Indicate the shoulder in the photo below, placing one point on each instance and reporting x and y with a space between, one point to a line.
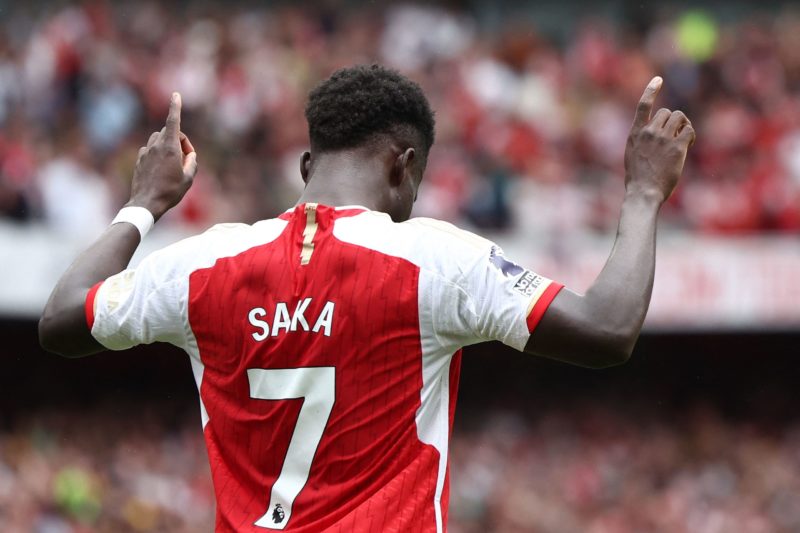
429 243
229 237
441 232
219 241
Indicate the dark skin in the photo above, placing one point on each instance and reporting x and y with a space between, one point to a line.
595 330
360 176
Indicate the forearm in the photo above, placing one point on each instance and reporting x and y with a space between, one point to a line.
63 328
620 296
600 328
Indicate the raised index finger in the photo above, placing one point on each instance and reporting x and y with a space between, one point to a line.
173 125
645 106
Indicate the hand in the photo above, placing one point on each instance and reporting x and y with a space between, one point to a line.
165 167
656 149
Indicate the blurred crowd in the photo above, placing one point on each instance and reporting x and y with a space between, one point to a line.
586 469
531 127
121 470
593 470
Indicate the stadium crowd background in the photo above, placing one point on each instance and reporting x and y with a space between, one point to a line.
527 123
531 126
578 470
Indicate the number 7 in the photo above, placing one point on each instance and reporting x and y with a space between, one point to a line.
317 387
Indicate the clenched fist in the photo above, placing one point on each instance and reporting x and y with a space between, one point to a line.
656 149
165 167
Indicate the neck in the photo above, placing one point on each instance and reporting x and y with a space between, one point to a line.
345 179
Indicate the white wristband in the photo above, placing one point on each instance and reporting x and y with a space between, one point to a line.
138 216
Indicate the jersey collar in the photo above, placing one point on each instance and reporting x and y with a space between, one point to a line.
337 208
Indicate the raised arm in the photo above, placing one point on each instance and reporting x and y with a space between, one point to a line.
601 327
164 172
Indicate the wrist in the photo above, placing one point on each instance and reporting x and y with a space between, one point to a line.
154 209
649 198
140 217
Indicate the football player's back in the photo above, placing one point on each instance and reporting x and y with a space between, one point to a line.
311 380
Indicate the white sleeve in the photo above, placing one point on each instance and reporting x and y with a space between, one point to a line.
492 298
150 303
144 304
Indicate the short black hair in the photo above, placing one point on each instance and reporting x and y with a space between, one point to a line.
357 104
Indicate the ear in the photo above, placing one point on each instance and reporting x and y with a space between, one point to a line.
305 166
402 166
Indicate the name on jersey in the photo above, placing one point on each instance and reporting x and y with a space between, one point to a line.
283 321
528 283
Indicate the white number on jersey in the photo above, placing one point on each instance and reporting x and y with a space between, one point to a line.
317 387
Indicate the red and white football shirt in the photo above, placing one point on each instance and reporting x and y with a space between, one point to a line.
326 346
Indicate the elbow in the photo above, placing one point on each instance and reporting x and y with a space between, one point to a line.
609 346
49 338
594 351
621 356
62 327
612 356
615 348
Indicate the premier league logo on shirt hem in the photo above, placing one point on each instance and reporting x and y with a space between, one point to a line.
278 514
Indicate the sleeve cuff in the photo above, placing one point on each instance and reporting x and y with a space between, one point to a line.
89 305
541 304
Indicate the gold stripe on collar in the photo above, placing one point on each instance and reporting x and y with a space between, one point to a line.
308 233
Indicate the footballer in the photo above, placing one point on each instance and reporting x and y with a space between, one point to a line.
326 342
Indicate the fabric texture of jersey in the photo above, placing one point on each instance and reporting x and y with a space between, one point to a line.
325 345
